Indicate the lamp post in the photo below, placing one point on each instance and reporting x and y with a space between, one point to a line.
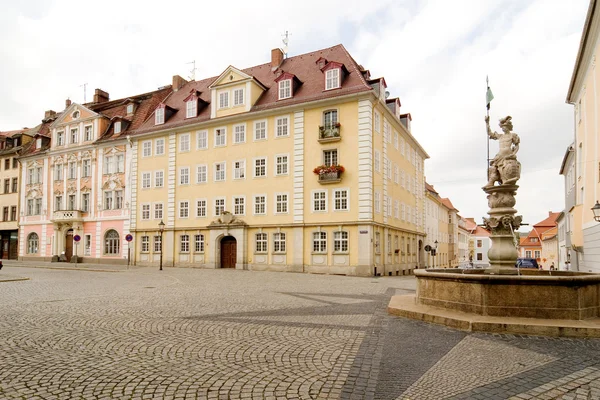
435 253
596 211
161 228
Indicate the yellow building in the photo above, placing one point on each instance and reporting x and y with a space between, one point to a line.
301 164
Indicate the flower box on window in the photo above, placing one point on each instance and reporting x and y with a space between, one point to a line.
329 173
329 133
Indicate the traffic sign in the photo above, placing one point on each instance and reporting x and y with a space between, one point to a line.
77 238
129 237
427 248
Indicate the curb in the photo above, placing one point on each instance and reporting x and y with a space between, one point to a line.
69 268
13 279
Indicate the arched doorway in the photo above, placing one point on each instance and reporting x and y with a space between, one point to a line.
228 252
69 245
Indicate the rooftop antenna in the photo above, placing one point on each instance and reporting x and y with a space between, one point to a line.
286 41
193 71
84 92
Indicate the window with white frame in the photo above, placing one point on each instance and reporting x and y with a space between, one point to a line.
396 140
396 209
145 211
330 119
260 204
159 179
239 133
108 200
389 206
184 142
223 99
201 173
320 200
146 178
402 146
184 176
386 132
402 179
281 164
377 161
85 202
202 140
319 242
396 174
389 243
220 137
282 126
201 208
33 241
281 203
159 148
145 244
191 108
130 108
117 127
86 168
147 148
332 79
184 243
260 167
330 157
71 202
239 205
340 199
109 166
57 204
74 135
184 209
239 169
158 244
58 172
377 243
72 170
238 97
260 130
536 253
340 242
285 89
118 199
198 243
261 242
60 138
87 133
219 206
159 116
158 210
377 121
219 171
528 253
120 163
279 242
377 201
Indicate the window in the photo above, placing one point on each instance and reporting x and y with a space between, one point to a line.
184 142
396 174
111 243
332 79
238 97
146 148
282 126
191 108
281 203
201 208
5 213
285 89
201 173
389 206
386 132
330 157
402 146
58 203
199 243
145 211
479 243
202 140
377 243
85 202
184 243
279 242
72 170
377 201
389 243
118 199
184 176
239 205
396 140
30 207
260 167
108 200
239 133
330 119
87 245
219 171
320 200
7 163
260 130
239 169
75 114
6 186
130 108
15 162
340 199
60 138
159 179
158 244
397 209
479 256
87 168
146 180
281 165
109 167
87 133
13 213
219 206
117 127
260 204
528 253
220 137
32 243
74 135
340 242
71 202
38 206
261 242
184 209
159 116
159 147
319 242
377 161
145 244
158 210
223 99
536 254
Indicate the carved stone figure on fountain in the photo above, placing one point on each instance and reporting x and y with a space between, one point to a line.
504 167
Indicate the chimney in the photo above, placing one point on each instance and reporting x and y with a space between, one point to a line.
100 96
178 82
67 103
276 58
49 114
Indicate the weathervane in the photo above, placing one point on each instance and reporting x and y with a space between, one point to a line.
84 87
286 41
192 77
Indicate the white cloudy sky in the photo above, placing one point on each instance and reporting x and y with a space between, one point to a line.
435 55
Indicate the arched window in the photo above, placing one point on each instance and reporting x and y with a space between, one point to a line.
32 243
111 243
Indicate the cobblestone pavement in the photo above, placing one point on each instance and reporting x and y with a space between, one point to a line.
226 334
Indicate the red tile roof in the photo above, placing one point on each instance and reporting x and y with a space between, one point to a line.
446 201
550 221
12 133
430 188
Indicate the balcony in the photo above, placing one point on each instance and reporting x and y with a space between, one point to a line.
67 216
329 133
330 177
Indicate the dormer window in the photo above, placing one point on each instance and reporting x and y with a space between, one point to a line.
117 127
238 97
60 138
191 108
223 99
75 114
130 108
38 143
159 116
285 89
332 79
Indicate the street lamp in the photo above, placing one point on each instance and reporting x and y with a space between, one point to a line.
435 252
161 228
596 211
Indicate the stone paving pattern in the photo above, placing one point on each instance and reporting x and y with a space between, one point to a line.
227 334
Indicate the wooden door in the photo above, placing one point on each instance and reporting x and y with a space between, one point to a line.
69 245
5 243
228 252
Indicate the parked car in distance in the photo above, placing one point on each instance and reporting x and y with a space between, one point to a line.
527 263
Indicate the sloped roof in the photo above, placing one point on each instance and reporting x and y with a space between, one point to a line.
548 222
430 188
446 201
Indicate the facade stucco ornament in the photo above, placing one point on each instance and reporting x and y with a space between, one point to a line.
72 188
228 219
113 182
85 189
72 157
33 191
58 192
